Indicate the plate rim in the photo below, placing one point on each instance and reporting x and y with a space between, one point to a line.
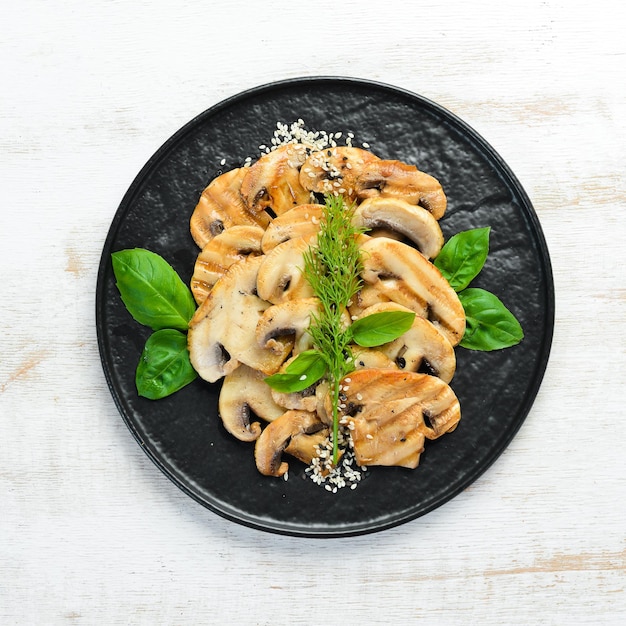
542 357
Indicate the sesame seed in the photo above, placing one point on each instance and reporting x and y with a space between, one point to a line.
303 377
223 162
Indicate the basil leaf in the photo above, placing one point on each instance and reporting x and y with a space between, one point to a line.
151 289
463 256
306 369
380 328
164 366
490 325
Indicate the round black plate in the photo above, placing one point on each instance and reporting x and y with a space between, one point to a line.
183 435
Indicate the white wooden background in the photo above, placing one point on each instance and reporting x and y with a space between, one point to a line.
90 531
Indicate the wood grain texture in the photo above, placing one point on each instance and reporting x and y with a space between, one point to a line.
90 531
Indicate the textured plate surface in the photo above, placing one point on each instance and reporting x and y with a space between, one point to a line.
183 435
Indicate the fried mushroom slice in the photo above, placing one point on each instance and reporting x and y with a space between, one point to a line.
391 413
401 180
273 182
277 435
230 246
335 170
281 273
402 274
245 390
221 206
222 331
301 221
422 348
398 215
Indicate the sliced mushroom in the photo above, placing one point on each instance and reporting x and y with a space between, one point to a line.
276 437
422 348
305 447
391 414
372 358
401 180
245 390
321 395
335 170
301 221
221 206
289 318
230 246
273 182
412 221
281 275
222 332
396 268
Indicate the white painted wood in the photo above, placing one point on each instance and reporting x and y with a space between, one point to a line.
90 531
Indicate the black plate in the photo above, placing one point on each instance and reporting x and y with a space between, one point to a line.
183 434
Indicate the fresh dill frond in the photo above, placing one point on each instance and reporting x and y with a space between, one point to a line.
333 267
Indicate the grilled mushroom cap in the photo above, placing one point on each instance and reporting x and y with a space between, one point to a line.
335 169
393 412
398 215
222 332
401 180
221 206
245 390
301 221
273 182
280 275
401 273
422 347
230 246
276 437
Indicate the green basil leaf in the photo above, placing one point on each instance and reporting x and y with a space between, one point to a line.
164 366
305 370
380 328
151 289
490 325
463 256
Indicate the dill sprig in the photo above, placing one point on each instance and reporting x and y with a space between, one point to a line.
332 268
